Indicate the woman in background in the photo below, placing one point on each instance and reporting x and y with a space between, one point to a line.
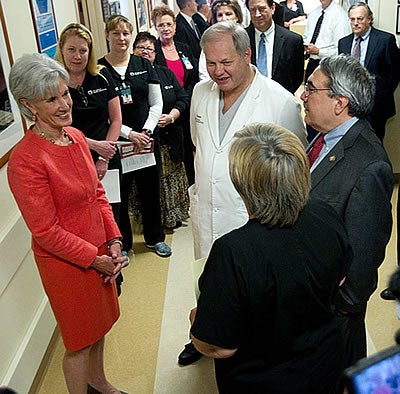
96 110
141 104
178 57
266 293
294 12
221 10
75 240
174 184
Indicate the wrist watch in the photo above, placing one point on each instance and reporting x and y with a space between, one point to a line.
148 132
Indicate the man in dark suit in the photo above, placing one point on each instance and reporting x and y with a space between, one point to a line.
284 49
353 174
380 55
202 17
187 30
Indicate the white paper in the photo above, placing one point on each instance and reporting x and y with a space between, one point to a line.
111 185
132 161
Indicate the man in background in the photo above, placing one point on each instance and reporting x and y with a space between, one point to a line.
377 51
202 17
187 30
277 52
350 171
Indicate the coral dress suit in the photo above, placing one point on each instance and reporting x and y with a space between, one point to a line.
287 57
383 61
356 179
64 206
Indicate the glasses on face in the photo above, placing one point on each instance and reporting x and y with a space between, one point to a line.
261 10
147 49
358 20
163 26
309 88
82 95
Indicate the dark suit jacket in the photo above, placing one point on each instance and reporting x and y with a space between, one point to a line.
200 22
356 179
184 33
287 59
191 77
383 61
279 14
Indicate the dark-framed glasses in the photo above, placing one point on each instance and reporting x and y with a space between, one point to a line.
143 48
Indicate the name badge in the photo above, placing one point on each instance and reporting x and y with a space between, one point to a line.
186 63
126 95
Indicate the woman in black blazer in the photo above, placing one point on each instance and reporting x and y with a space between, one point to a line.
178 57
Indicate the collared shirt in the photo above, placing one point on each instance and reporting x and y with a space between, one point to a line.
269 45
335 26
363 45
332 138
188 19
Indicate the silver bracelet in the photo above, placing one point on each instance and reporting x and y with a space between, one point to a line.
172 118
103 159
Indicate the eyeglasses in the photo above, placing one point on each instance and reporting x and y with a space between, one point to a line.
142 48
164 25
308 88
221 3
261 10
82 95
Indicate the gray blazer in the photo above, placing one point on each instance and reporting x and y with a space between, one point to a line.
356 179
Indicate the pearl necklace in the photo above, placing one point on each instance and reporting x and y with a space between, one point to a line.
170 49
52 139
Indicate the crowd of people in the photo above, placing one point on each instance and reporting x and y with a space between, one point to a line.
293 216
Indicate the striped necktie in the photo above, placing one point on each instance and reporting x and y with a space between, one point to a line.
356 52
316 147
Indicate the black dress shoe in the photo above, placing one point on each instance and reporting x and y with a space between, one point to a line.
189 355
387 295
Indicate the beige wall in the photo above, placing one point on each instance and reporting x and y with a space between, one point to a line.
27 322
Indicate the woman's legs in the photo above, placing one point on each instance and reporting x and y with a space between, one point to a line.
76 370
85 367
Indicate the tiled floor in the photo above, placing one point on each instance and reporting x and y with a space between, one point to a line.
141 350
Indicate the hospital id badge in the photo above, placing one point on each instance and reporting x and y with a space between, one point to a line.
126 95
187 63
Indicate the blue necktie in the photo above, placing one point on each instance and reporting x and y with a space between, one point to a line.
262 64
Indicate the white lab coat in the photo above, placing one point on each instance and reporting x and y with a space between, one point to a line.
215 206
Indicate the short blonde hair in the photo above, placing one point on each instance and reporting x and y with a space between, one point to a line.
269 169
76 29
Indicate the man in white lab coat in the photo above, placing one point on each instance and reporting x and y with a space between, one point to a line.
236 96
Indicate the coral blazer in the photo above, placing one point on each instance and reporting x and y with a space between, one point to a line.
68 214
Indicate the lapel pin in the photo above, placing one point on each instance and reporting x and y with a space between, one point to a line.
332 158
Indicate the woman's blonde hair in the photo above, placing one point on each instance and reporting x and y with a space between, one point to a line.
76 29
269 168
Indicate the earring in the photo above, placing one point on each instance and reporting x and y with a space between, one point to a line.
34 117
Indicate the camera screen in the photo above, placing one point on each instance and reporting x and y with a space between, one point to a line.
381 377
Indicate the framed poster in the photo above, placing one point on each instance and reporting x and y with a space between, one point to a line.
398 20
141 15
11 128
45 27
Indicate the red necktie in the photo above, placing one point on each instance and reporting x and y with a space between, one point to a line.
316 149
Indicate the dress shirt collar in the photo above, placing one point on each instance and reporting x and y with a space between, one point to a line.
365 36
268 34
187 18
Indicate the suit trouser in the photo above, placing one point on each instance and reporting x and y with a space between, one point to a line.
355 339
148 187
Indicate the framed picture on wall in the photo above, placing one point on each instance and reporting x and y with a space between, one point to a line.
142 23
11 127
398 20
45 26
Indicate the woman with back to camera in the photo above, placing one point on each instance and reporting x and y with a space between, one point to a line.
75 240
221 10
178 57
141 104
265 307
174 184
96 110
